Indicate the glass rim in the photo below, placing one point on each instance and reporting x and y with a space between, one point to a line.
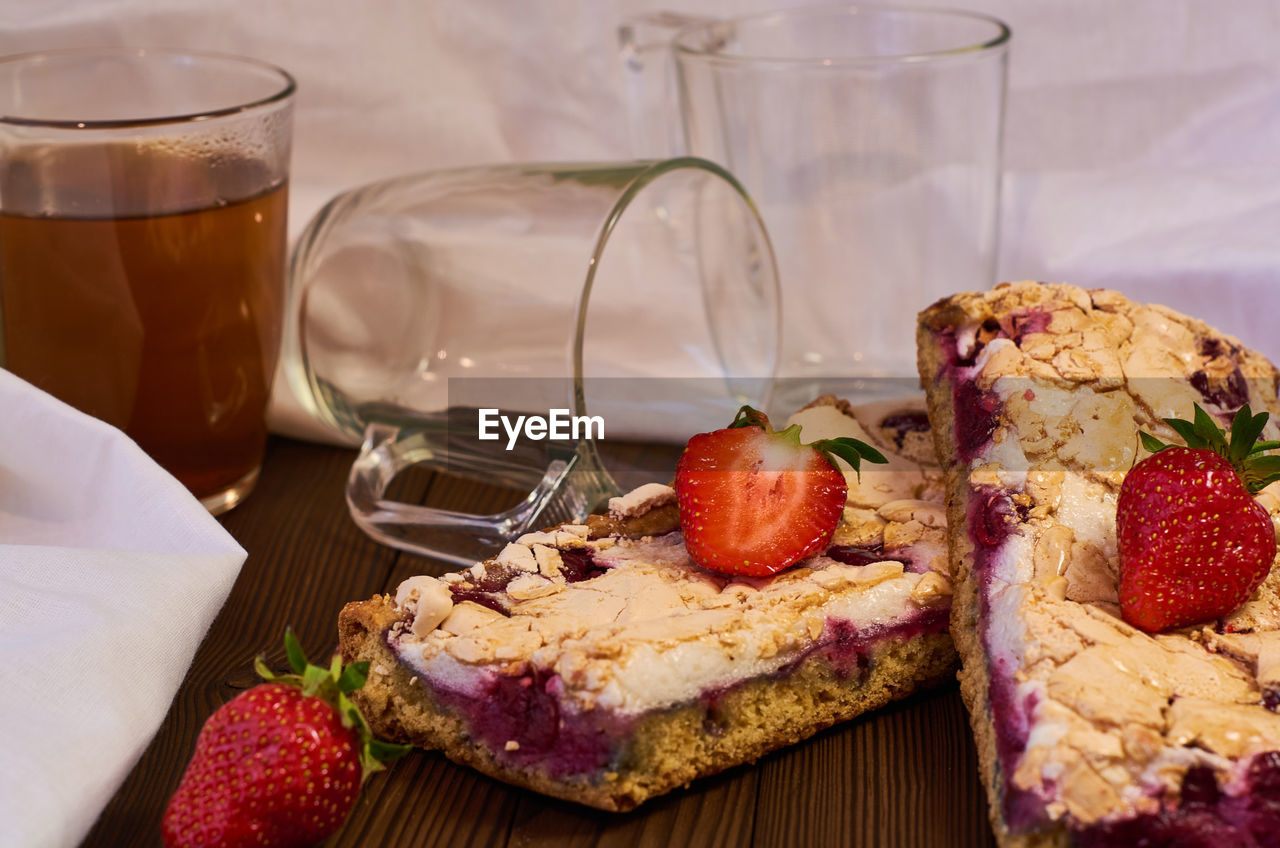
646 172
1001 35
287 88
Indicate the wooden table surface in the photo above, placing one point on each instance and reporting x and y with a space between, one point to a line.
905 776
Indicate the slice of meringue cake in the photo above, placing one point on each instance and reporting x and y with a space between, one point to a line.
597 663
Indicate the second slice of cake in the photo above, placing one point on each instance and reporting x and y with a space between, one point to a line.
1089 731
599 664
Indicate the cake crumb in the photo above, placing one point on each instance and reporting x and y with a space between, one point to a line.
638 501
512 745
932 588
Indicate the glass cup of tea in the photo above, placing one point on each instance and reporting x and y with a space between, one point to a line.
142 247
500 323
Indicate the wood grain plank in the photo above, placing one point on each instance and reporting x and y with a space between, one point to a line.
718 811
903 776
427 801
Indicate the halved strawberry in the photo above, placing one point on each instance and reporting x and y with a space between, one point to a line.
1193 542
753 501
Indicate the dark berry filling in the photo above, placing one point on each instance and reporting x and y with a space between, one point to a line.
476 596
486 591
902 423
1202 816
992 517
848 648
1232 394
975 418
1023 323
975 409
526 708
577 564
845 647
1211 348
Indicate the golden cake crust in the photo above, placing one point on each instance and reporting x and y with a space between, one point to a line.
669 749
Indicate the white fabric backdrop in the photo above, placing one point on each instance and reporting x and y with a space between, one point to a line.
1142 146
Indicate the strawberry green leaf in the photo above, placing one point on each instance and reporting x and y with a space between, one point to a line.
373 751
852 451
293 650
1209 430
791 434
387 751
1187 431
1151 444
351 715
1245 430
1261 471
353 677
1242 449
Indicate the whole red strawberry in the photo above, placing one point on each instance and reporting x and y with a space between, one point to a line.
1193 542
753 501
280 764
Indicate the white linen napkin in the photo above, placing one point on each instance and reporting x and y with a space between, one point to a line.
110 575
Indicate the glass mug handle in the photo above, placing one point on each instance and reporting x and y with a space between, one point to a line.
573 483
345 357
649 74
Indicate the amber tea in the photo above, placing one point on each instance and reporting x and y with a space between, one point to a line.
164 324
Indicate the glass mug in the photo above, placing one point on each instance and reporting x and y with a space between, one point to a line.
870 138
142 247
428 312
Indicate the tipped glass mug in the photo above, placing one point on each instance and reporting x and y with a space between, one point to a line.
870 137
142 247
426 310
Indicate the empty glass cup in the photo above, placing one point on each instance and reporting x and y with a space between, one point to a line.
869 136
439 317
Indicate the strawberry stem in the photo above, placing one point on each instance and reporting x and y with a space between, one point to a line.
749 417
